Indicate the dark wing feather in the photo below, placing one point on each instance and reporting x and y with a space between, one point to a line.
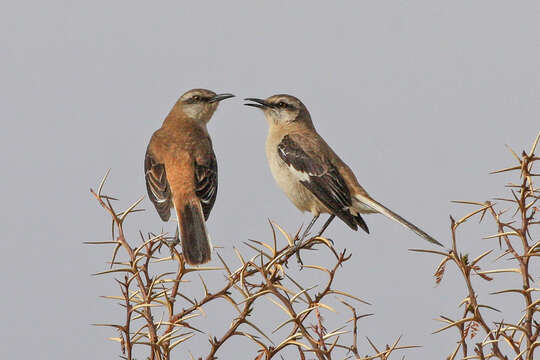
324 180
206 182
157 186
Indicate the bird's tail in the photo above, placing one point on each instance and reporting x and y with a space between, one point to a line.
366 200
196 245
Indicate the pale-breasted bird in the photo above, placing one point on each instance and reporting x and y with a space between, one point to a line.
181 170
310 173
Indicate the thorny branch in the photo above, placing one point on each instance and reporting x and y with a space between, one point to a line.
265 275
516 234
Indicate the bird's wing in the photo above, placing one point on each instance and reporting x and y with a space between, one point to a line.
206 181
157 186
319 176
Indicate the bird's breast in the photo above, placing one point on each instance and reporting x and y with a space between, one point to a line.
279 169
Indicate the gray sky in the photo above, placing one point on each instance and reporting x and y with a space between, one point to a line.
419 98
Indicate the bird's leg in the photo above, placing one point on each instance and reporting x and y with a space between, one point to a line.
174 241
308 228
298 242
326 224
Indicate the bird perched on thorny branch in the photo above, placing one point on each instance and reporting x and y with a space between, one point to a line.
181 170
310 173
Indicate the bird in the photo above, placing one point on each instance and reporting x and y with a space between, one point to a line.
180 170
311 174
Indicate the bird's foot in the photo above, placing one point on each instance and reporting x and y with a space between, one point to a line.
331 241
296 249
305 235
173 241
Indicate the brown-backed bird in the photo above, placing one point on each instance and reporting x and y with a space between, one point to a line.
181 170
310 173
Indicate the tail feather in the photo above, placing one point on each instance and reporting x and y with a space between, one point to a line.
360 221
196 244
392 215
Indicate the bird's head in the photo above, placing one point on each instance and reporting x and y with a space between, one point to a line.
281 109
200 104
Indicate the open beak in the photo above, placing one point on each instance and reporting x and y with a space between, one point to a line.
259 103
220 97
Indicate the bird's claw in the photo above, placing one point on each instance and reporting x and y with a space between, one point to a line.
173 241
296 249
331 241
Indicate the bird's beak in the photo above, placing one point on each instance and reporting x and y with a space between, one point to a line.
259 103
220 97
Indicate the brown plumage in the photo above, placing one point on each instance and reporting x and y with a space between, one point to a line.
181 170
310 173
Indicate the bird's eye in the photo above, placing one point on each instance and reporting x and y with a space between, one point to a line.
196 98
282 104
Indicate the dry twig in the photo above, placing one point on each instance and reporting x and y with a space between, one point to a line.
515 229
145 292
